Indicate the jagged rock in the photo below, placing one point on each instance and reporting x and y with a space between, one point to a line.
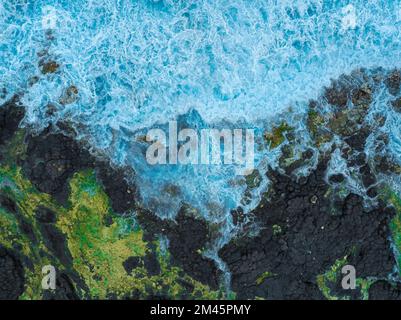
311 239
337 95
64 289
336 178
12 277
51 161
48 66
70 95
45 215
151 264
383 290
393 82
131 263
56 242
362 97
123 195
11 115
187 236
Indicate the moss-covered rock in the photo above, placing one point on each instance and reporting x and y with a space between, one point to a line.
277 135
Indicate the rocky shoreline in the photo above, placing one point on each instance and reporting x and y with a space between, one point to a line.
52 188
49 162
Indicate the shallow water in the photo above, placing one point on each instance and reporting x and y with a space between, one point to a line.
140 64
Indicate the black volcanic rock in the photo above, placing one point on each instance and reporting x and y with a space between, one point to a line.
305 226
45 215
123 195
151 264
8 204
397 104
309 241
357 141
56 242
187 237
51 161
337 95
64 289
11 275
383 290
11 114
337 178
131 263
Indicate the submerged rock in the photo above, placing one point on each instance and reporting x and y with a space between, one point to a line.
49 66
70 95
277 136
308 223
393 82
396 104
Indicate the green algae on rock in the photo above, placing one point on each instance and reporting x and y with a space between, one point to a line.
332 276
98 250
277 135
84 238
395 225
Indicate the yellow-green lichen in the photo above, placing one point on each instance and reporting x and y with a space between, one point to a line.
315 121
277 229
21 191
265 275
330 276
98 248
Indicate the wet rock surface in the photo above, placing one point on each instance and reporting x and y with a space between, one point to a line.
54 157
306 223
393 82
123 195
